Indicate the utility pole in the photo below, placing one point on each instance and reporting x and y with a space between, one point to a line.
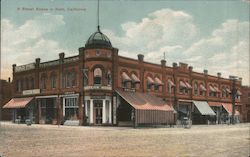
234 92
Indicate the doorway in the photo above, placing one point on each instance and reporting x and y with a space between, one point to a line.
97 112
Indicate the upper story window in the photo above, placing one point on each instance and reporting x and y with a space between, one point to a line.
158 83
171 85
98 53
135 80
68 79
73 78
224 92
202 90
109 78
43 81
32 83
18 86
195 88
184 87
53 80
97 76
125 80
150 83
212 91
85 77
26 83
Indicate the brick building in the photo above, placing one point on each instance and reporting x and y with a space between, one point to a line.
245 100
6 94
99 87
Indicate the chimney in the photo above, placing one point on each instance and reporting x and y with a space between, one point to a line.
38 60
205 71
219 75
61 57
140 57
14 68
190 68
175 65
163 63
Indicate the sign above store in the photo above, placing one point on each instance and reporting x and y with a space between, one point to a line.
31 92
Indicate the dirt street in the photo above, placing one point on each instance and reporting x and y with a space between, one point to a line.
19 140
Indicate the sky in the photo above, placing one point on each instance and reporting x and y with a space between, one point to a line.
212 34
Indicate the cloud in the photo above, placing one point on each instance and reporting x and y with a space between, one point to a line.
22 44
225 50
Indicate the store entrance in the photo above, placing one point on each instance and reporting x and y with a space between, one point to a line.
97 112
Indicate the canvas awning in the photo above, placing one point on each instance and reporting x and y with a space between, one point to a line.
202 88
204 108
216 89
125 77
170 82
188 85
229 108
158 81
228 90
212 89
182 84
18 103
135 78
150 80
144 101
238 92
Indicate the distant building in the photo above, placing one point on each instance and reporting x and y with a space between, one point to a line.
6 94
99 87
245 100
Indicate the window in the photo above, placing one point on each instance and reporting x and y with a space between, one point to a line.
53 80
32 83
26 83
195 88
98 53
73 78
125 84
18 86
71 109
97 76
133 85
85 77
157 87
43 81
68 79
202 89
109 78
223 92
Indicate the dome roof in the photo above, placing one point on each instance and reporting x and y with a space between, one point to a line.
98 39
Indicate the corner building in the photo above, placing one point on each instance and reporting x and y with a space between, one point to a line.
99 87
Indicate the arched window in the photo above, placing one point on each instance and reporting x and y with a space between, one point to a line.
73 78
43 81
32 83
68 79
85 77
224 92
195 88
97 76
109 77
53 80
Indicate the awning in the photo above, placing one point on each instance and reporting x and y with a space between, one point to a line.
229 108
150 80
171 83
211 103
202 88
238 92
144 101
125 77
217 89
182 84
204 108
18 102
135 78
188 85
212 89
228 90
158 81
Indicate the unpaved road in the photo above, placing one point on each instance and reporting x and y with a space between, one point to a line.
19 140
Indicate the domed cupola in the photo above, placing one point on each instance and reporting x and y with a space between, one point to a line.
98 40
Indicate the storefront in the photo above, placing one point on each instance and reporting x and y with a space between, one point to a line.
203 114
98 110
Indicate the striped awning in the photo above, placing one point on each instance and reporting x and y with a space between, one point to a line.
202 88
150 80
144 101
125 77
188 85
135 78
212 89
238 92
182 84
170 82
158 81
204 108
229 108
216 89
228 90
18 102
